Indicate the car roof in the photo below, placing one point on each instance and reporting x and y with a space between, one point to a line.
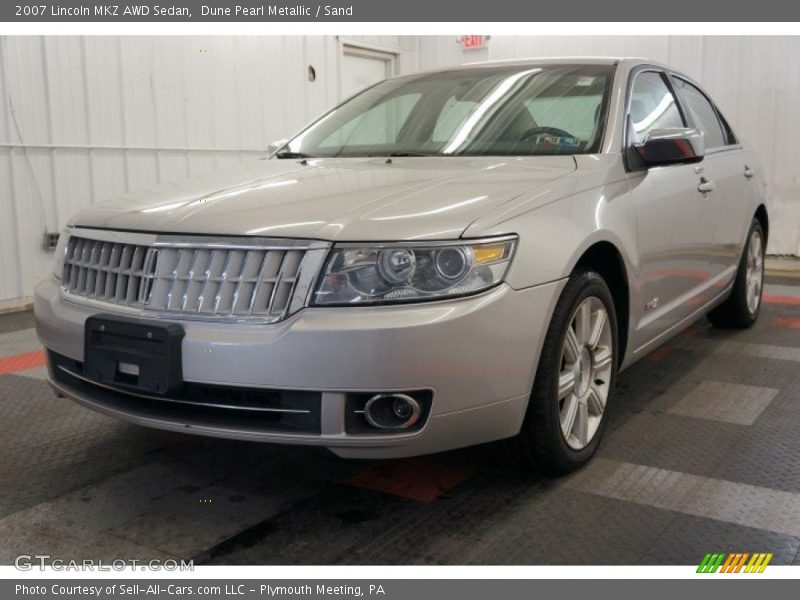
561 60
552 60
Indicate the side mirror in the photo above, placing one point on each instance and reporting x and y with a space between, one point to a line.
273 147
671 146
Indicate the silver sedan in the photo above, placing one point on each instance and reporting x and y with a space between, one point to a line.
445 259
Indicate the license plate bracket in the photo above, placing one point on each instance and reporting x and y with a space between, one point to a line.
134 353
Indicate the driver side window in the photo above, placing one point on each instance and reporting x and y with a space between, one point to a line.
652 106
702 112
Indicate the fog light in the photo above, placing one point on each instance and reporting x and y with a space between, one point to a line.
402 408
392 411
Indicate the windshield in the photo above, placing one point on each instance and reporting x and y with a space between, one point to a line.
510 110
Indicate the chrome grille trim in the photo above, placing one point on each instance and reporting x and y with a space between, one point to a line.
148 277
190 277
112 388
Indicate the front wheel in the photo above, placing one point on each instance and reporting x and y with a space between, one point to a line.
567 411
741 308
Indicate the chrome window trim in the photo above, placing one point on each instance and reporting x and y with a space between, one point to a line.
727 148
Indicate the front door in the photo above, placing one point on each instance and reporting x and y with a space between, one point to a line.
673 219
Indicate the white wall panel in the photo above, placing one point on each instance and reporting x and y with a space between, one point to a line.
98 116
755 81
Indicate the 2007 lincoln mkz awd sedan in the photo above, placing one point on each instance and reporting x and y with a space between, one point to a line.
445 259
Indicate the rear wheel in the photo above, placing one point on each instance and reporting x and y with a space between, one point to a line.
741 308
567 411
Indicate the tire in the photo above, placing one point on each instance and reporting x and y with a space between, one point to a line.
742 307
542 443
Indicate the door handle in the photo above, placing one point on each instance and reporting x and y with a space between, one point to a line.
705 186
748 172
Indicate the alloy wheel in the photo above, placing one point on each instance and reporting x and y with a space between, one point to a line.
585 378
755 271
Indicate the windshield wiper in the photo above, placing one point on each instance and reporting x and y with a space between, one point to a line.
290 154
409 153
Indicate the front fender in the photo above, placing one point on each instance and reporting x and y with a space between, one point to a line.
553 237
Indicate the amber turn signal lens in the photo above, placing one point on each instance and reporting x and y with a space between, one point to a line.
486 254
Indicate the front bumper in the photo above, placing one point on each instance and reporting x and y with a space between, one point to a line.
476 355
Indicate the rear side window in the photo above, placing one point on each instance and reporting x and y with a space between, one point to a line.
702 113
652 106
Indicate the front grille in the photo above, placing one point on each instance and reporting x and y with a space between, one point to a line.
107 271
190 279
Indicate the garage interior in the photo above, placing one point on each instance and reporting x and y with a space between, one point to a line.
701 454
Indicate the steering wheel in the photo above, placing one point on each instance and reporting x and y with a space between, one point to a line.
534 131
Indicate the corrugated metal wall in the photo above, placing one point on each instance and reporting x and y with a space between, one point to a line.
86 118
754 79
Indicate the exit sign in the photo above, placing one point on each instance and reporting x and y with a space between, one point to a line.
473 42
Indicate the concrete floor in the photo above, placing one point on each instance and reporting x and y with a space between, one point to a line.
702 454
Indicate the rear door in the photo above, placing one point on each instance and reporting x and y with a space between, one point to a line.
673 218
725 166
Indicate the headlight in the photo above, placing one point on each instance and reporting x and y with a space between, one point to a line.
408 272
60 254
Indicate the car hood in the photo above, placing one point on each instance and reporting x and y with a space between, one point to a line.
363 199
